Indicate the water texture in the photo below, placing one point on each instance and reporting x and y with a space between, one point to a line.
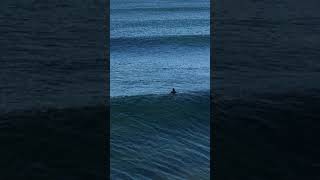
267 90
52 90
156 46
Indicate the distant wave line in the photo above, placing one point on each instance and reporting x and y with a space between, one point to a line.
167 38
161 9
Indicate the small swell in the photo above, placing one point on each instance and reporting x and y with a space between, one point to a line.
156 41
160 136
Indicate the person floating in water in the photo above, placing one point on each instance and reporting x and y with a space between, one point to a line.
173 91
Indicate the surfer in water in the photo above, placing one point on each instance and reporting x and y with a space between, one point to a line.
173 91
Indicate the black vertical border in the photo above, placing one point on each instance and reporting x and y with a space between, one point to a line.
213 63
107 87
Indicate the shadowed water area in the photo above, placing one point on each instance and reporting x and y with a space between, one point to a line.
52 90
268 95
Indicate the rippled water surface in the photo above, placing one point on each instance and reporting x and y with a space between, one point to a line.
156 46
267 116
52 89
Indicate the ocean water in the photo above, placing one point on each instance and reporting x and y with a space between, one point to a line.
52 89
267 90
156 46
159 45
160 137
52 54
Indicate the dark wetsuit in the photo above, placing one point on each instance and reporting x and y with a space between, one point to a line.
173 91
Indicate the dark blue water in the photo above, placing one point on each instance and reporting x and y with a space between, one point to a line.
52 90
268 94
160 137
156 46
51 54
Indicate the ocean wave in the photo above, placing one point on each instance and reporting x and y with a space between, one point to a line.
156 41
160 136
116 25
160 9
